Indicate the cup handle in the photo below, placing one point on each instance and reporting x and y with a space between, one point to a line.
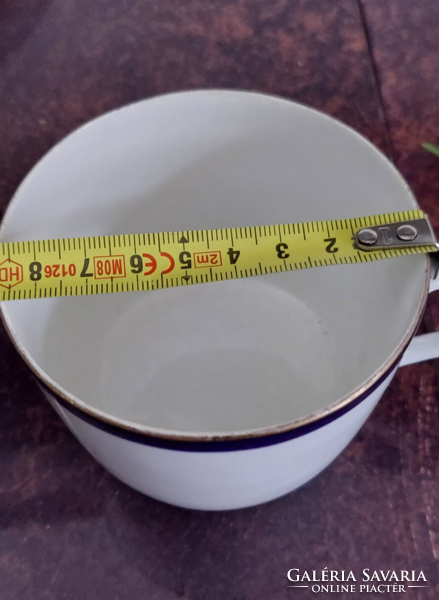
425 346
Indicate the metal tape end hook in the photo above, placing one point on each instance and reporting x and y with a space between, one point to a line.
404 234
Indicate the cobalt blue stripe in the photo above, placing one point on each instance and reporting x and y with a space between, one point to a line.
220 445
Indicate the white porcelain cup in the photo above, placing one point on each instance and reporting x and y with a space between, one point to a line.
229 394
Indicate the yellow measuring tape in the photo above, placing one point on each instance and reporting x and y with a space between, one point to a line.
136 262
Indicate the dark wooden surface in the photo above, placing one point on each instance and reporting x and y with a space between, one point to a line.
67 528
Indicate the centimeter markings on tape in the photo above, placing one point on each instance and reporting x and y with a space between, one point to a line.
136 262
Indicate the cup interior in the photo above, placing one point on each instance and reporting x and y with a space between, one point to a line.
229 356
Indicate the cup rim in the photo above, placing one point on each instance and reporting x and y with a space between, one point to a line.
311 420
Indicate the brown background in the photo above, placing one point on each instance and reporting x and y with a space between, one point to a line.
67 528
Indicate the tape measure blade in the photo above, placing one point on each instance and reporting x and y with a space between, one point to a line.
149 261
